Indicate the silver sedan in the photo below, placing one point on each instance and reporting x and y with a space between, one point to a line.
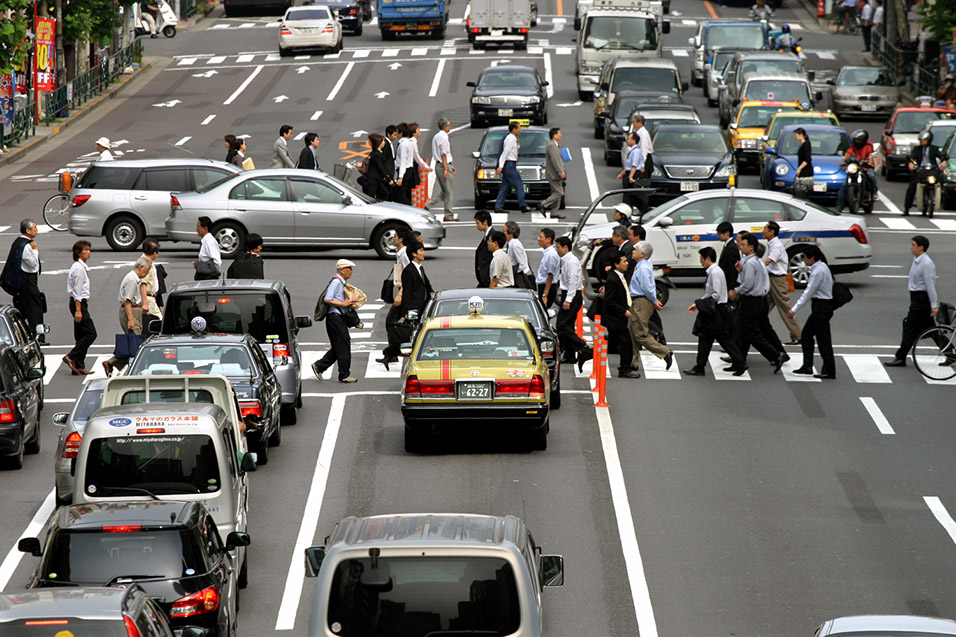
860 91
887 626
296 208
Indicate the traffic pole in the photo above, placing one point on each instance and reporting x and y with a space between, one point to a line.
579 323
595 341
602 377
821 11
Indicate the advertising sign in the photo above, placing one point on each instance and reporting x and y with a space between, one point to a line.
21 82
45 58
6 99
949 52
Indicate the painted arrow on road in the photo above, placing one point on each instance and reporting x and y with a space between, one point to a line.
280 98
394 65
381 95
168 104
359 133
578 103
209 73
302 69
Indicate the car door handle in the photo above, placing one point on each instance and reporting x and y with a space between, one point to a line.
140 198
240 210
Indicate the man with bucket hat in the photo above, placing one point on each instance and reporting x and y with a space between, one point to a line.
340 350
103 148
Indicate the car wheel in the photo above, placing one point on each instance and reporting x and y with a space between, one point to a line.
124 233
415 441
244 571
711 103
544 118
585 96
169 31
382 239
663 293
598 132
231 238
538 441
15 461
694 81
298 399
798 267
556 395
288 415
284 52
33 447
276 438
358 29
479 202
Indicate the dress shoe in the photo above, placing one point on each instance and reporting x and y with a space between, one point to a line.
385 361
631 373
348 379
777 364
69 363
727 359
315 370
896 362
793 341
805 371
555 215
784 356
449 218
740 371
108 368
501 211
906 212
525 209
669 360
584 356
825 376
693 371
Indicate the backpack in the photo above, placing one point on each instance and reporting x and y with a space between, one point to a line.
321 307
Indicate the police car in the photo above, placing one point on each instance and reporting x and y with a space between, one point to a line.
682 226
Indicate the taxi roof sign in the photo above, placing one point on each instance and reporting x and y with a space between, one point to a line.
475 304
524 123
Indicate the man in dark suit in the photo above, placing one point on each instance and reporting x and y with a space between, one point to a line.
482 253
635 234
309 157
617 303
608 254
925 155
729 254
416 291
21 276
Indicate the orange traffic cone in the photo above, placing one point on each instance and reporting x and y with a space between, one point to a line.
821 12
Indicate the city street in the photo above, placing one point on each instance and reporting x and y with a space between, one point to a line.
692 506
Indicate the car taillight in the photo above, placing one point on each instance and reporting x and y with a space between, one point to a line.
285 32
247 407
437 387
71 446
524 30
121 528
131 629
79 200
204 601
353 11
412 386
174 203
512 387
537 387
280 350
46 622
8 411
329 28
476 30
152 430
858 233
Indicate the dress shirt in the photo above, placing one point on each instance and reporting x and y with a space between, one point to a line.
78 281
878 16
570 278
819 286
922 278
105 156
642 281
404 157
550 264
418 158
510 150
129 290
716 285
754 280
627 290
315 157
30 260
519 258
401 257
501 269
777 256
635 158
209 250
644 141
867 14
336 292
441 146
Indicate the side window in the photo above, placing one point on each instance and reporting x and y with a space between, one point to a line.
309 191
12 369
705 211
156 626
260 190
20 332
796 214
202 177
162 180
751 210
231 451
214 544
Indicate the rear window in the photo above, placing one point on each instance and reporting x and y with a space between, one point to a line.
98 557
743 36
256 313
779 90
228 360
167 396
108 177
475 343
506 307
163 464
645 79
426 596
307 14
87 404
51 626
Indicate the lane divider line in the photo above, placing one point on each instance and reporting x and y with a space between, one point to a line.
433 91
338 85
589 173
548 75
207 120
242 87
12 560
942 515
877 415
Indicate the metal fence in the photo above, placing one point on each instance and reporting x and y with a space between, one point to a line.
24 123
88 85
187 9
901 62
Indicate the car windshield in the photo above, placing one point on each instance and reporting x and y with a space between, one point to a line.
207 358
779 123
426 596
821 143
740 36
914 121
257 313
88 402
506 307
760 116
780 90
217 183
40 627
475 343
690 141
162 464
314 13
648 79
866 77
616 32
531 145
770 66
507 81
96 557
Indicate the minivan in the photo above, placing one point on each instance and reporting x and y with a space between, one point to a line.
660 75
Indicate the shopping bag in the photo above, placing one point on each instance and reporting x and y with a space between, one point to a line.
127 345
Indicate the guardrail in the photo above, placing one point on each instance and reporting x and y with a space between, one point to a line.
88 85
924 81
24 124
187 9
898 60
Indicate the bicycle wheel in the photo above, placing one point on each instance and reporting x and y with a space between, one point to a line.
934 353
834 23
56 212
853 25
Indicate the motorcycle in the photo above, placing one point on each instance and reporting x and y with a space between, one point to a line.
166 21
794 47
928 179
859 190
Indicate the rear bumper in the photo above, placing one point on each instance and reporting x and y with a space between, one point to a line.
10 438
526 417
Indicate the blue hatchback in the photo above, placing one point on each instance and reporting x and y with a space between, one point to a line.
828 144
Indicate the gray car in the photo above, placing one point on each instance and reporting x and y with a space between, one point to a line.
128 200
296 208
71 425
864 91
887 626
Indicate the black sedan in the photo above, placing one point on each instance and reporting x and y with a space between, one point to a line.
509 302
15 332
616 119
351 14
532 146
509 92
19 409
688 158
237 357
172 550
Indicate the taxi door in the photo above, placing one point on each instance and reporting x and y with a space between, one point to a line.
324 214
678 236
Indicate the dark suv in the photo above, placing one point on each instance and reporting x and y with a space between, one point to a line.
19 408
171 549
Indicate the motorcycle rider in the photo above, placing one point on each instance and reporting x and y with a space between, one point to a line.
862 150
150 12
785 41
926 155
761 11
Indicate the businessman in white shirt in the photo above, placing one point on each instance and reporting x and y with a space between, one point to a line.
508 169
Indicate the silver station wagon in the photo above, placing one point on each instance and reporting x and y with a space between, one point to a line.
296 208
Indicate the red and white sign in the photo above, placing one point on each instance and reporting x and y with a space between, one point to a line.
45 57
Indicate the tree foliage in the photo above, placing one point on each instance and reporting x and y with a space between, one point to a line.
13 33
939 19
91 20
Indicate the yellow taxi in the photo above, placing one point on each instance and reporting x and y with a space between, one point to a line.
749 124
485 369
790 118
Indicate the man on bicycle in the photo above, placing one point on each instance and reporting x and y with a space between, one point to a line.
926 155
862 150
847 9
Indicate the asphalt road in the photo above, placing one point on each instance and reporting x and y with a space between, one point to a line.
691 506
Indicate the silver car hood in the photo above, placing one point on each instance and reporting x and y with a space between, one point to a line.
399 209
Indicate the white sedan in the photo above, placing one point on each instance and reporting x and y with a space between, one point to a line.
309 27
679 228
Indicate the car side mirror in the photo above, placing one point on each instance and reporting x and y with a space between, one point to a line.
471 84
303 321
30 545
314 556
888 133
770 150
405 349
733 126
346 200
692 42
552 312
34 373
248 462
60 418
476 154
665 222
666 26
237 539
684 87
552 570
736 103
43 328
818 96
546 83
155 326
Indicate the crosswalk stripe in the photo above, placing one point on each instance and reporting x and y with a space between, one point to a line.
187 62
944 224
362 53
5 228
563 51
419 51
825 55
53 362
866 368
681 53
792 364
97 369
273 57
717 367
655 368
377 370
897 223
390 53
245 58
930 360
219 59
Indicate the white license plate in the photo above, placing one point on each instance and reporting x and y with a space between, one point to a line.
689 186
868 108
819 187
526 189
474 390
506 112
497 32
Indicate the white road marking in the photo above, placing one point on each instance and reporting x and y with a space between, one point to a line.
12 560
877 415
892 207
656 369
866 368
589 173
535 50
680 53
273 57
242 59
826 55
183 140
187 62
243 86
460 128
310 517
97 369
390 53
207 120
420 51
433 91
931 360
897 223
587 369
941 514
944 224
448 50
246 25
377 370
316 115
548 76
302 57
476 52
53 362
361 53
717 367
563 51
792 364
300 135
219 59
338 85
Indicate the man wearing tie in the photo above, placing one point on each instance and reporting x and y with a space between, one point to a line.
554 172
21 276
924 304
416 288
617 311
309 157
713 317
280 150
570 301
482 253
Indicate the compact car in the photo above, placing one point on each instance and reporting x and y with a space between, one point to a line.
887 625
532 148
789 118
688 158
901 134
172 550
506 92
749 124
71 425
481 368
864 91
19 408
296 208
350 14
828 146
313 26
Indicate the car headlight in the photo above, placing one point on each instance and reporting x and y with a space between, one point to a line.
852 169
431 220
902 150
656 172
533 99
481 100
950 176
487 173
781 169
746 143
726 171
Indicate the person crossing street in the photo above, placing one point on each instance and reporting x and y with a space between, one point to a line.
820 292
508 169
340 349
555 174
924 304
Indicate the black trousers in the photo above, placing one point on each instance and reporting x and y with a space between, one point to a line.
753 328
866 30
911 191
917 320
552 293
714 329
84 333
818 327
621 336
393 349
564 324
341 350
30 301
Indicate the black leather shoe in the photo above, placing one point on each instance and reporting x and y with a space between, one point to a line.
740 371
784 356
727 359
778 363
896 362
669 360
555 215
385 361
525 209
825 376
806 371
631 373
501 211
906 212
693 371
583 357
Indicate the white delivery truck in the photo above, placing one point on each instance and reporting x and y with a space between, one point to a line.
500 23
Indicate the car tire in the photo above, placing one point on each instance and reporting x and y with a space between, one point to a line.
358 30
124 233
694 81
663 292
415 441
33 447
276 438
288 416
15 461
598 132
231 238
585 96
538 440
382 239
479 202
555 402
796 267
284 52
169 31
544 118
243 579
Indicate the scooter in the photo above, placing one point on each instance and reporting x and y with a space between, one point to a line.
928 179
859 190
165 23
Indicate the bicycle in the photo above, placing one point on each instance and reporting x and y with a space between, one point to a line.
56 210
846 20
934 353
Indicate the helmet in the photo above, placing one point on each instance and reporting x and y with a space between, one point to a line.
624 209
860 137
785 28
927 136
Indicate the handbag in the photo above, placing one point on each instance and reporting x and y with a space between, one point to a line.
841 295
388 290
352 319
248 164
127 345
802 187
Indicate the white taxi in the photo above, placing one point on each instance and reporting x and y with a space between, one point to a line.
679 228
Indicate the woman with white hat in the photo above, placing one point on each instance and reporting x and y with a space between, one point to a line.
103 148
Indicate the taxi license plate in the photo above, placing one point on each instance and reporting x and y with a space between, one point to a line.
497 32
474 390
868 108
506 112
689 186
819 187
